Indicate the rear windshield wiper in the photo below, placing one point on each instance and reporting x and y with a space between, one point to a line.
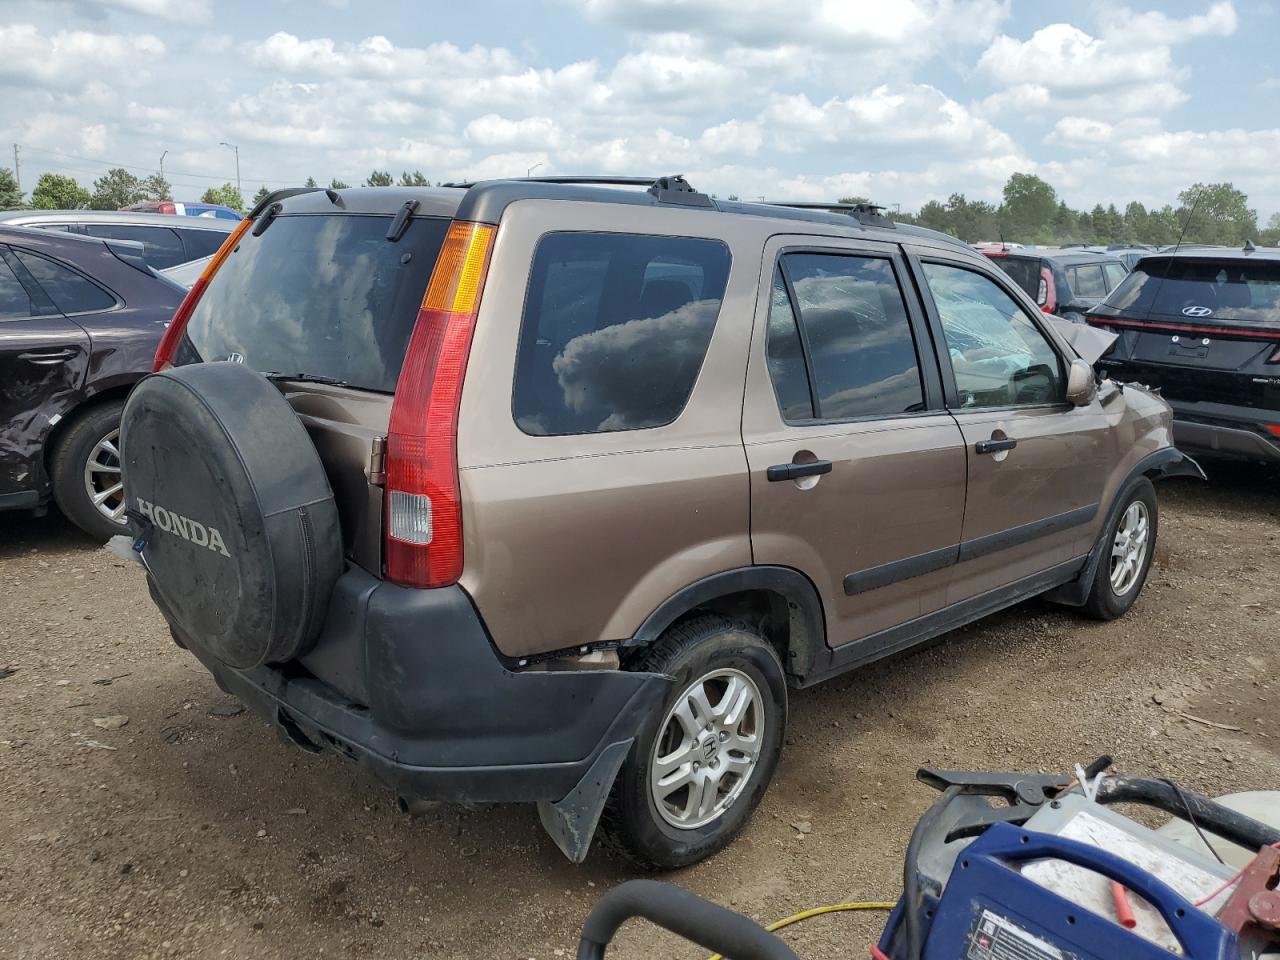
306 378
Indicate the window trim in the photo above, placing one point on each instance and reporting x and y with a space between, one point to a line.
524 319
119 301
916 260
931 386
35 293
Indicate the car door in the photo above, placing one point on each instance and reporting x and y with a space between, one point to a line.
1036 463
857 471
43 359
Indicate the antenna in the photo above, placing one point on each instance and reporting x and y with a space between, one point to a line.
1169 263
1004 247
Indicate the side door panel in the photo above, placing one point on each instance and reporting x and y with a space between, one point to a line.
1036 464
43 359
878 531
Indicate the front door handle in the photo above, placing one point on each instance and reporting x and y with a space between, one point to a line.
46 358
995 446
794 471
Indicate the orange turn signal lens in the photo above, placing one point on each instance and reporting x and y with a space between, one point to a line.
459 274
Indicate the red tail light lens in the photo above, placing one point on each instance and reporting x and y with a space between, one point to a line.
173 334
166 206
423 502
1047 295
1273 428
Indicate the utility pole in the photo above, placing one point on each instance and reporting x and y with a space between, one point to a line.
162 156
17 171
236 150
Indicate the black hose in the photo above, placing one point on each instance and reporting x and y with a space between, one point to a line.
1184 803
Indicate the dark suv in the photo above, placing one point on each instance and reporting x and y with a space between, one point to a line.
535 491
1203 325
1065 283
80 320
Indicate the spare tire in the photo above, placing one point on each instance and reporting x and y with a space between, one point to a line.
242 537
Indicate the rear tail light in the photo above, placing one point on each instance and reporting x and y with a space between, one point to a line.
166 206
1272 428
1047 294
423 502
169 342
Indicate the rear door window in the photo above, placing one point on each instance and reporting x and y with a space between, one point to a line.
856 337
70 292
160 245
615 330
320 295
1115 273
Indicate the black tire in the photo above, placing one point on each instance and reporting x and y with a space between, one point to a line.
631 823
1103 603
67 468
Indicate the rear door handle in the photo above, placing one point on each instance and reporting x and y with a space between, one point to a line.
47 358
794 471
995 446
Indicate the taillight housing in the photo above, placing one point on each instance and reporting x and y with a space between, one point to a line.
173 334
1272 428
423 529
166 206
1047 294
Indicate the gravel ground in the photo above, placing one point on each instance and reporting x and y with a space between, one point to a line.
184 832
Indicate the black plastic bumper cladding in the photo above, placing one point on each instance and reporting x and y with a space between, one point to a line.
444 719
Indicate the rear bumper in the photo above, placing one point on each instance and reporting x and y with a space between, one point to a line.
406 684
1222 430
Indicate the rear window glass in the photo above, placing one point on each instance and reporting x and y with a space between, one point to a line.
1246 292
1025 272
325 296
615 330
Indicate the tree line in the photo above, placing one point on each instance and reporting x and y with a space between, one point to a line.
1030 210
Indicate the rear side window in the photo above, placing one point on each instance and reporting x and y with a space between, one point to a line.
1115 273
319 295
201 243
1226 291
160 246
70 292
14 302
861 355
615 330
1087 281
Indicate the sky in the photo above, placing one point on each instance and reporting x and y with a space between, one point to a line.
901 101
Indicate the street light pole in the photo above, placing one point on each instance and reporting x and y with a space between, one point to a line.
162 156
236 150
529 172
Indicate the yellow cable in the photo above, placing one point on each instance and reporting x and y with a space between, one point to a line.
819 911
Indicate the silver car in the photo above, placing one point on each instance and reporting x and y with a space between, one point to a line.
166 240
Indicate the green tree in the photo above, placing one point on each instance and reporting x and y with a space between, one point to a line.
56 192
336 184
415 179
1222 214
853 201
311 182
380 178
1029 207
261 195
1065 227
10 195
156 187
227 195
115 190
1270 237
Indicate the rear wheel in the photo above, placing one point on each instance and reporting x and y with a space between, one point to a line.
1128 545
85 470
701 763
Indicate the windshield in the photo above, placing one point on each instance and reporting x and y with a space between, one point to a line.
328 297
1233 291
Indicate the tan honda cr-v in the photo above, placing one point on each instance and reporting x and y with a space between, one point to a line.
548 491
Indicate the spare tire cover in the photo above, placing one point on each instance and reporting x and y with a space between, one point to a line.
242 537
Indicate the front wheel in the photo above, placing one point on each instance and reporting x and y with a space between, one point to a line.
1128 545
702 761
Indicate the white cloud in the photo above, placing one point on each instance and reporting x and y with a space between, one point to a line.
180 11
67 58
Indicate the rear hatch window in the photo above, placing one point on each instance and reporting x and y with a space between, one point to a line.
1024 270
318 297
1227 293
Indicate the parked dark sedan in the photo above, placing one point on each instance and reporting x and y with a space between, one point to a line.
1065 283
80 320
1203 325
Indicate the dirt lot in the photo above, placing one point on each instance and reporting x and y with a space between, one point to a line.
189 834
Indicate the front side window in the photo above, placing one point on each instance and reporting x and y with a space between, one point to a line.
70 292
999 356
861 353
15 304
615 330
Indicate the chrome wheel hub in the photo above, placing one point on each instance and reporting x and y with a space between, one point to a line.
102 478
707 747
1129 549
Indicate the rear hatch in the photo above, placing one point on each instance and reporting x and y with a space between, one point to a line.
1204 330
1025 272
323 301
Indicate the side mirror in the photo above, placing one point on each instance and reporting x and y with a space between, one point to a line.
1081 385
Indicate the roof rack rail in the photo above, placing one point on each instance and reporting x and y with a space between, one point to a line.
668 189
867 214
